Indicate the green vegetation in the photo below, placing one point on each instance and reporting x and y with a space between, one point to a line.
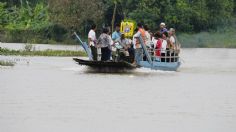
65 53
208 40
6 63
53 21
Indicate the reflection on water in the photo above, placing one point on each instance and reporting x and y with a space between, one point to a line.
55 94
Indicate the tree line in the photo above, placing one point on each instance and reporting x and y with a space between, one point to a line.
63 16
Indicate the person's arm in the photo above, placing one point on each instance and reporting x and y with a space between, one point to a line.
124 44
111 41
134 42
98 42
178 44
171 42
113 36
90 38
137 34
89 41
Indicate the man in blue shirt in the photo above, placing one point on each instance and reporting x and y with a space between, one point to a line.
116 35
163 28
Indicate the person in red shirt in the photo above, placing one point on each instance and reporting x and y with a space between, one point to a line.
158 45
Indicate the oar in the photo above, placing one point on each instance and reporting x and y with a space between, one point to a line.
85 46
146 51
77 36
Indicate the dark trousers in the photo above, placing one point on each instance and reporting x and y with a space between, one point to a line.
94 52
131 54
106 54
176 57
168 55
163 55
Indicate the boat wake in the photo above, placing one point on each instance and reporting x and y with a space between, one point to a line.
148 70
76 69
135 72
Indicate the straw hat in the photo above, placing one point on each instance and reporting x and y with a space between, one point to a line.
162 24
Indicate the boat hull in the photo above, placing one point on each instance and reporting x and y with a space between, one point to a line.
106 66
109 66
166 66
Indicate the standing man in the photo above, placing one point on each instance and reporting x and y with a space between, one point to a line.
163 28
141 32
92 40
148 37
138 48
116 35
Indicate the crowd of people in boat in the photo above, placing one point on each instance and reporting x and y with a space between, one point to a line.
163 43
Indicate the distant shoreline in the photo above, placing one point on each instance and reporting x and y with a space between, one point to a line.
217 39
57 53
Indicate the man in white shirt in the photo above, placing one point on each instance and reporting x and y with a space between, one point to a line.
92 40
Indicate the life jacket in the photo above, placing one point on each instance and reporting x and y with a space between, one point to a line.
158 47
143 34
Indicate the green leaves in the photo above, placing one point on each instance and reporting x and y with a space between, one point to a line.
24 17
185 15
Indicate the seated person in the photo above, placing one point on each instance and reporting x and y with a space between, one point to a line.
124 42
116 34
127 48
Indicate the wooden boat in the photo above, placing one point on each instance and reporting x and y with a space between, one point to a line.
105 64
117 66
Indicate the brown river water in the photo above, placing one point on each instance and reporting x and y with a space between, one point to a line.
54 94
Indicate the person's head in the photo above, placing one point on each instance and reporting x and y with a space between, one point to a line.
162 25
117 27
109 30
165 35
140 25
146 28
172 31
136 30
158 35
151 33
122 36
105 30
93 26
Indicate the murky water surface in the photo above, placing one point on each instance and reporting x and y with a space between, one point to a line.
50 94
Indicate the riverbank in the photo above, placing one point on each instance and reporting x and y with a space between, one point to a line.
224 39
6 63
41 47
59 53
